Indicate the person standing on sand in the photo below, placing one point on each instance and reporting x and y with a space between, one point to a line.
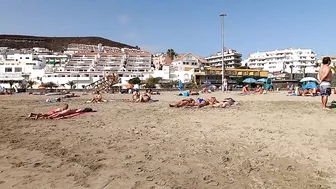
325 81
225 84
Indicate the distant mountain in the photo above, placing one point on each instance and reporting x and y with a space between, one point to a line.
54 43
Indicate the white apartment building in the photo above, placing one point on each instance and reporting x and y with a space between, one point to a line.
284 61
187 61
17 67
232 59
87 67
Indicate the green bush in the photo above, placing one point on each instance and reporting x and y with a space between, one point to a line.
152 81
134 81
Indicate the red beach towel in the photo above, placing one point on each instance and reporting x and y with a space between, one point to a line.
71 115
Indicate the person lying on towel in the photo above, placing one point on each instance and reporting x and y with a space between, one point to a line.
59 112
190 102
226 103
51 112
69 112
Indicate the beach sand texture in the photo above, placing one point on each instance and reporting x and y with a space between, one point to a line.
267 141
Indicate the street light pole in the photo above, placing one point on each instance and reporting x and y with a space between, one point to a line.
223 65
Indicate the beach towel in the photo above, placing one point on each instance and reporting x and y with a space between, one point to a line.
71 115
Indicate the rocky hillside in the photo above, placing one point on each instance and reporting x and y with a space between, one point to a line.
54 43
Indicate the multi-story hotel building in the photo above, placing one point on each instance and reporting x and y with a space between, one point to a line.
86 67
232 59
284 61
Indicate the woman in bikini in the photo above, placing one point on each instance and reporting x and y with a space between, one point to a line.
227 102
183 103
69 112
51 112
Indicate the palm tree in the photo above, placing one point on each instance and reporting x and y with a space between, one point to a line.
71 84
31 83
171 53
50 85
291 72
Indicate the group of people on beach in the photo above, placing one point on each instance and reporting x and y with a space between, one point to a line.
259 90
294 90
138 97
200 102
324 81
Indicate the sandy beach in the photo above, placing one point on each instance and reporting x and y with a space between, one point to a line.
267 141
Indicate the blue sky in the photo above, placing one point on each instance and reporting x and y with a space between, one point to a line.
184 25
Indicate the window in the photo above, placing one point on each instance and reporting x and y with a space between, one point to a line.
8 70
17 69
20 57
27 57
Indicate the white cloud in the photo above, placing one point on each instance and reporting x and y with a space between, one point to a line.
124 19
153 48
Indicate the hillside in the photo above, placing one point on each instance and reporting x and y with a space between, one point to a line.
54 43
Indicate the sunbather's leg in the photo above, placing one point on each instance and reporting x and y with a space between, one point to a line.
217 105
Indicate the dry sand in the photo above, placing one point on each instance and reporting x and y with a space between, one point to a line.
268 141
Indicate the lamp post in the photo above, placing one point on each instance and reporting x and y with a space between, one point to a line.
223 65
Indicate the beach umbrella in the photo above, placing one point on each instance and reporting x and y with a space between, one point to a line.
305 79
249 80
311 85
262 80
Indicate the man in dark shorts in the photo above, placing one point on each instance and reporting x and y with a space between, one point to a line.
325 81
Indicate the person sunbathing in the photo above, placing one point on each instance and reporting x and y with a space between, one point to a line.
71 95
189 102
307 92
184 103
245 90
226 103
213 100
68 112
258 90
144 98
53 100
153 92
135 96
51 112
97 98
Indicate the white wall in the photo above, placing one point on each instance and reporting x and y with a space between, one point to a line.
63 80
